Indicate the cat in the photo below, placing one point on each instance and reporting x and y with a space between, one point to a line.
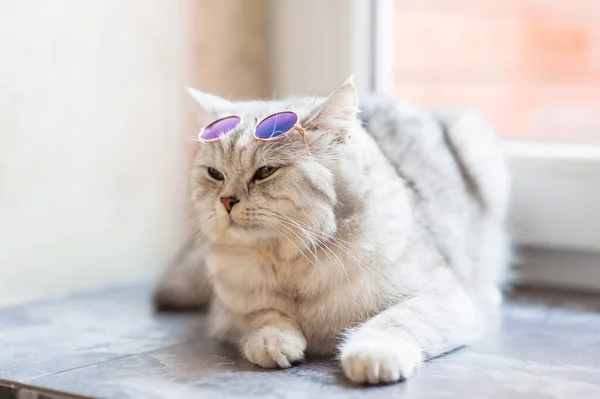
382 238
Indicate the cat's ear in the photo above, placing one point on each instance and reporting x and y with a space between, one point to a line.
338 112
210 103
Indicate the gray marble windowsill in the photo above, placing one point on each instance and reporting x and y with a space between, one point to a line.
111 344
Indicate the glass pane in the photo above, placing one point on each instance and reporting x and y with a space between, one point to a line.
532 65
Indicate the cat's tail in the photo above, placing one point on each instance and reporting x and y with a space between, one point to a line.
479 151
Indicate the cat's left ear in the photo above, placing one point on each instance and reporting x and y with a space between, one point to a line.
212 105
338 112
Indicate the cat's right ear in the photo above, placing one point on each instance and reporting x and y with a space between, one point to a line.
337 113
212 105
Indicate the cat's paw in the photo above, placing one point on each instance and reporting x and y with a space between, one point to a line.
275 346
379 361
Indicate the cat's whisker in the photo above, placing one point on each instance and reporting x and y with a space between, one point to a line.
264 159
334 241
337 260
282 221
301 240
272 225
319 232
328 251
311 238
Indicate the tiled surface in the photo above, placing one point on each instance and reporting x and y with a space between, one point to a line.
111 345
49 337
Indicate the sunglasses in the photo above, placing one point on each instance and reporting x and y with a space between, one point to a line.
273 127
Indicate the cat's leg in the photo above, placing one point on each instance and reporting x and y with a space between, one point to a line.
185 284
391 345
274 341
267 338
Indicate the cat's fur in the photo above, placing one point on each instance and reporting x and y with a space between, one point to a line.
385 243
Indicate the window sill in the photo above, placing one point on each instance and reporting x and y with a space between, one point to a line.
558 268
556 195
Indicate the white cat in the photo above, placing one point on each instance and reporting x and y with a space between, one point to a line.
382 238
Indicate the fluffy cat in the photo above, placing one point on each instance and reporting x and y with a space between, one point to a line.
384 241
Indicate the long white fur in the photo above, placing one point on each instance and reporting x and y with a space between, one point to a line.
385 245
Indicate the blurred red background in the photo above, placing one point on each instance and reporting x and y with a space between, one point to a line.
532 65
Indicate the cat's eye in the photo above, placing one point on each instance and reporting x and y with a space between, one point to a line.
215 174
264 172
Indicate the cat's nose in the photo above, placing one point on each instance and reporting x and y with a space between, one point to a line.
229 202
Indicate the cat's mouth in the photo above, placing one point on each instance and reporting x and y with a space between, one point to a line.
237 225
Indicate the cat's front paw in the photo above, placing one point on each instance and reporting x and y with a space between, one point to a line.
379 360
275 346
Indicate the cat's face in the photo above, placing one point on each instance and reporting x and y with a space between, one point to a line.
249 189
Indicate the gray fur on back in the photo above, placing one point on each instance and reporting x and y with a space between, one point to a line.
449 202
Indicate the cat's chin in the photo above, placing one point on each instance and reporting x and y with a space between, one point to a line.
247 232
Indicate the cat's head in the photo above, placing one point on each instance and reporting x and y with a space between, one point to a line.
247 189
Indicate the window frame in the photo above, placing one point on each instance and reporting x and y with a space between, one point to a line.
553 184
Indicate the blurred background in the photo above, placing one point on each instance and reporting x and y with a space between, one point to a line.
532 65
95 124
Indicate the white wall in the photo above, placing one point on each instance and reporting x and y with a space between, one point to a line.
94 129
314 45
93 150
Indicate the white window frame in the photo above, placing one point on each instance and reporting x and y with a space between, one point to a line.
317 44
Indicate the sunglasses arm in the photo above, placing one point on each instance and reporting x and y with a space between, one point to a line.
300 131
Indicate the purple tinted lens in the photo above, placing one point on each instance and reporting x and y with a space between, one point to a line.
220 127
276 125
